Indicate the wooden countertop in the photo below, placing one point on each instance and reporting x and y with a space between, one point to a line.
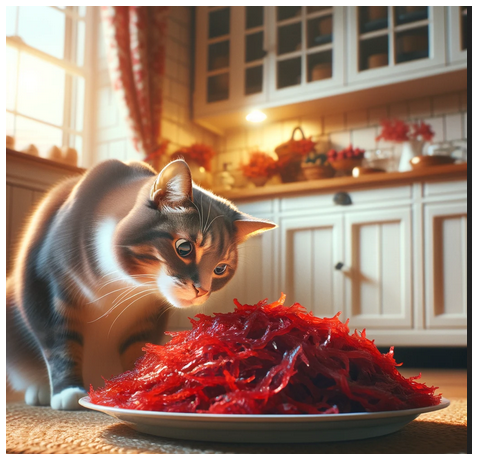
390 179
14 155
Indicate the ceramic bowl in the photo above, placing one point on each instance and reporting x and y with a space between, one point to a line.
430 160
362 171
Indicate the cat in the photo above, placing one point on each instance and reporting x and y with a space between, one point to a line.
102 260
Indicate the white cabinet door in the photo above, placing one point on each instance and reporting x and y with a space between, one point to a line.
457 22
395 44
445 265
311 247
378 269
306 53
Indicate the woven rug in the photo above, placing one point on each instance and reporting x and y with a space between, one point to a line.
41 430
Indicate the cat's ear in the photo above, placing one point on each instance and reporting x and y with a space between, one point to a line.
173 185
247 226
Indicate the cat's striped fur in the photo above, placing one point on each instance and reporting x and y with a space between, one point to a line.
100 263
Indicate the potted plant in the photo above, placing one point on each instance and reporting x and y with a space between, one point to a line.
317 166
260 168
399 132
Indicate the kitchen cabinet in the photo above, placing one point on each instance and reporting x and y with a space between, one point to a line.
445 264
393 261
268 57
27 179
390 41
248 56
458 33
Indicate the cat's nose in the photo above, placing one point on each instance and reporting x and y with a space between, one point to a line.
200 291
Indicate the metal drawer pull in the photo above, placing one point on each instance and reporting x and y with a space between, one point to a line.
339 266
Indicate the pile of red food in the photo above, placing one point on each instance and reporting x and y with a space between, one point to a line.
265 359
349 152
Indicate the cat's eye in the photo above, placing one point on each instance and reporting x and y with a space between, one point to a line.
183 247
220 269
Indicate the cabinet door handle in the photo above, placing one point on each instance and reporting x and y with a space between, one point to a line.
339 266
342 199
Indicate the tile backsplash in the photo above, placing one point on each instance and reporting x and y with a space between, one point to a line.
446 113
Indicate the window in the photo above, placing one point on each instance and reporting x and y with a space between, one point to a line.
46 76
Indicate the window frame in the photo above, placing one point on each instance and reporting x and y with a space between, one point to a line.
71 70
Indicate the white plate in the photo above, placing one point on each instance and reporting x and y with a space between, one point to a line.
265 428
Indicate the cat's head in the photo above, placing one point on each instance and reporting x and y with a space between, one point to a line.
183 237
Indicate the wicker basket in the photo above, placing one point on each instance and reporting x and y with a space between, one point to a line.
290 159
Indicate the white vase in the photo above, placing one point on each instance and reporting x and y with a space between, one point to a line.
410 149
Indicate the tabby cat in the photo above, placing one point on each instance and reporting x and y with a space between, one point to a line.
102 260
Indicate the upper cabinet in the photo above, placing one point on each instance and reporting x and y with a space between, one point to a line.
269 57
395 42
458 33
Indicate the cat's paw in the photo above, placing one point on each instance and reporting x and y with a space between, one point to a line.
38 395
68 399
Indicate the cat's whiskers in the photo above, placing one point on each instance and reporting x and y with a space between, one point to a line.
149 292
199 213
119 298
202 215
207 228
115 290
208 213
121 278
116 303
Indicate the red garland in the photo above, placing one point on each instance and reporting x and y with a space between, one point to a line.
158 152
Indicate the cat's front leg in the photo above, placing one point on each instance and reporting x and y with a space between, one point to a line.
63 354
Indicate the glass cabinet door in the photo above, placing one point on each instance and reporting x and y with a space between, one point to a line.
308 48
254 53
218 53
304 44
458 33
385 38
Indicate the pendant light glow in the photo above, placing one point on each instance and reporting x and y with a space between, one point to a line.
256 116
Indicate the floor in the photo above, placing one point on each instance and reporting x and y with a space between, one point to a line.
452 383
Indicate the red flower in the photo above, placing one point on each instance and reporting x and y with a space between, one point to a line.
260 165
394 130
422 129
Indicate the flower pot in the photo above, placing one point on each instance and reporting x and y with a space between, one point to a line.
291 172
345 166
410 149
314 172
259 181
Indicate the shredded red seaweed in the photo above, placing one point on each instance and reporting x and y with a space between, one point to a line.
265 359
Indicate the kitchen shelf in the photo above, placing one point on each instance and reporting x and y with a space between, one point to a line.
443 172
